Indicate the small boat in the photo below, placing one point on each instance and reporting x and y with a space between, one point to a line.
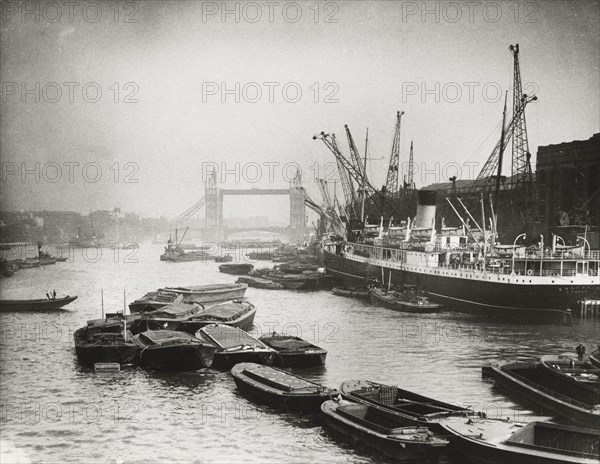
234 346
47 304
380 430
554 393
262 255
171 350
210 293
308 280
416 409
402 301
28 263
293 351
583 373
224 259
299 267
235 313
47 261
181 256
175 253
107 341
494 441
280 388
351 292
154 300
235 268
258 282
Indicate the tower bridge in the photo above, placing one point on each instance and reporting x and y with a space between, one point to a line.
213 201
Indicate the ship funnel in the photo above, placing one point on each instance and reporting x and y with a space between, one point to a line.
425 209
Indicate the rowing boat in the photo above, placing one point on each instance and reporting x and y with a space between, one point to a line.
41 304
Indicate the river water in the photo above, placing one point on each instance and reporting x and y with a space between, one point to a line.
54 411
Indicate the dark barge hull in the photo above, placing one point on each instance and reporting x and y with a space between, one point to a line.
556 400
264 390
477 453
300 360
358 435
177 357
527 303
228 359
88 355
363 294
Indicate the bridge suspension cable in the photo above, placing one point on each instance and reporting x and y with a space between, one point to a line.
189 212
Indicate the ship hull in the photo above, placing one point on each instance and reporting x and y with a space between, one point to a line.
461 292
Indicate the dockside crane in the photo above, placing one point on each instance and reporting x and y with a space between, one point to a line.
325 193
325 215
391 184
330 141
358 163
522 174
520 145
330 212
492 168
344 169
347 189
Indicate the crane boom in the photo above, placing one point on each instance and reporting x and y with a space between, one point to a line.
344 168
347 188
325 193
324 212
330 141
391 184
358 163
491 165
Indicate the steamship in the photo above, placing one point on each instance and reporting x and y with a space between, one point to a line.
464 269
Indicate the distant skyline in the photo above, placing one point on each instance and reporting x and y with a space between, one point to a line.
169 82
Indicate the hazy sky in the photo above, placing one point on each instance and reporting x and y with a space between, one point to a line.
161 115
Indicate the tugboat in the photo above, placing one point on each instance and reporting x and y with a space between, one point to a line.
176 254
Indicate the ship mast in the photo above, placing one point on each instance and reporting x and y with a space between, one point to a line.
500 155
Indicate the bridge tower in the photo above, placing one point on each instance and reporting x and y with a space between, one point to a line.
214 209
297 208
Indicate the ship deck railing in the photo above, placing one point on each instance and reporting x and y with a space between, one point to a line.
504 265
382 252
